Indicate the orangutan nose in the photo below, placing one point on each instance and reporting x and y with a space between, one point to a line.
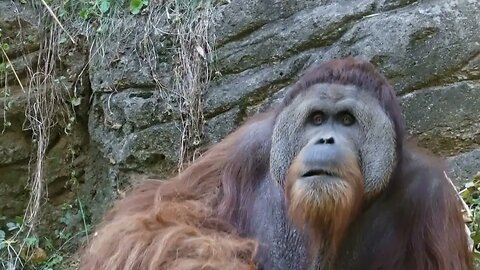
328 140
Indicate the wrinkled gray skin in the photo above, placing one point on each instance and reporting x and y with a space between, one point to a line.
372 137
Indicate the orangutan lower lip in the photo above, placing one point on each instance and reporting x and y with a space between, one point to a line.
318 172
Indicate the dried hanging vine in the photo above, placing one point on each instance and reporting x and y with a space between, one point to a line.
191 73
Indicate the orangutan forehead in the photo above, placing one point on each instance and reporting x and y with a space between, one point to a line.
334 93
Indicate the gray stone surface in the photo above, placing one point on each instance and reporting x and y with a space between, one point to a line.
430 50
424 47
65 154
134 51
464 167
13 148
445 119
415 45
311 27
220 126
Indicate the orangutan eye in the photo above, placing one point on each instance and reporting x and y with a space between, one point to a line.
346 118
317 118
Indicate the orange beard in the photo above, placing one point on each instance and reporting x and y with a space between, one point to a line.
325 209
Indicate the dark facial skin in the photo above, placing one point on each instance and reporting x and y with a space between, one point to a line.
350 123
333 132
322 161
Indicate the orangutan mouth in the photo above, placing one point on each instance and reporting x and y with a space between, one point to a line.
318 172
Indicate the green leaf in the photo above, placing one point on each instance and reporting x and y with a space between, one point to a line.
137 5
3 67
2 235
11 226
62 12
19 219
103 5
475 237
53 262
31 241
84 14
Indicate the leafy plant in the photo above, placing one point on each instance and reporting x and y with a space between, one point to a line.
47 252
5 46
53 262
95 9
471 196
103 5
137 5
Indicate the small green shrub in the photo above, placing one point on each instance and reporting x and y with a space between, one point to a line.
22 249
471 196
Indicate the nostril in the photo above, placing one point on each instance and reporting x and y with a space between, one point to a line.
326 141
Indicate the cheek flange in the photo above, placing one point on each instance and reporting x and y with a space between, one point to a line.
377 151
286 144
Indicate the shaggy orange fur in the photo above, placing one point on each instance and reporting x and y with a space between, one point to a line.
174 224
332 208
201 218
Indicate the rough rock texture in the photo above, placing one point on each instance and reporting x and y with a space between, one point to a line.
450 117
430 50
464 166
66 154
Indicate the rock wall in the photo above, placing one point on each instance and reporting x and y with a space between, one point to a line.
66 154
430 50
